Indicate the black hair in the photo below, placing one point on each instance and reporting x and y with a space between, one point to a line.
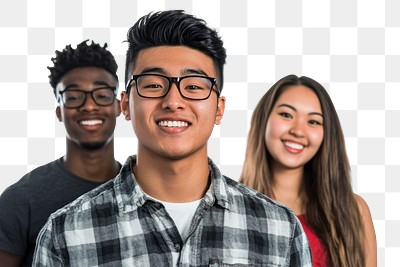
84 55
173 28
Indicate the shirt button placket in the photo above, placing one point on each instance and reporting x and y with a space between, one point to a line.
177 247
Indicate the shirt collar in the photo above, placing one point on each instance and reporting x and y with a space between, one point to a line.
129 195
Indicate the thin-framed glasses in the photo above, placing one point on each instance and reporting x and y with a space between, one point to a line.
76 98
193 87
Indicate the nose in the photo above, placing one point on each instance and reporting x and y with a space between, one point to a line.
173 100
89 104
297 128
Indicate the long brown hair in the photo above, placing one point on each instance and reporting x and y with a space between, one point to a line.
331 208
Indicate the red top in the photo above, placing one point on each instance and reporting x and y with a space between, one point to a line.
318 250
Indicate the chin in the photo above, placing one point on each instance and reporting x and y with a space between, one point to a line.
176 154
294 166
291 164
173 156
92 145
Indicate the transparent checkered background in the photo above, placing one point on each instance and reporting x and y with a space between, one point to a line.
351 47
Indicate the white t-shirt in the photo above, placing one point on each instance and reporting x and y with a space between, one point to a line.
182 214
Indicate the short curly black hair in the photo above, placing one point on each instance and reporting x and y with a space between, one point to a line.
84 55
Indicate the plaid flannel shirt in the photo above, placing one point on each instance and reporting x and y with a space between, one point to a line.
117 225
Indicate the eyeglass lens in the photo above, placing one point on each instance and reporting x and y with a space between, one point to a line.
77 98
158 86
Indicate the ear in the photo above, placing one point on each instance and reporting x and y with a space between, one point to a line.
58 113
118 107
125 105
220 110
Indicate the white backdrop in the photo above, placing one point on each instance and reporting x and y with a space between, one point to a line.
352 47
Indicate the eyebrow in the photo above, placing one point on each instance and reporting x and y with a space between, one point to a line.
183 72
294 109
74 85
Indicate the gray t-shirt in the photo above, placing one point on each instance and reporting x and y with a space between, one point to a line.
26 205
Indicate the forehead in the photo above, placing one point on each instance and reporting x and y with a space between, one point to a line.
86 75
299 96
173 60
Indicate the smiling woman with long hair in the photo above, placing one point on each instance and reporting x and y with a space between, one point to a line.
296 155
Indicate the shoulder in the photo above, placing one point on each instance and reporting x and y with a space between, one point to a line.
37 175
362 206
29 184
245 191
80 216
253 200
365 213
277 222
104 196
366 217
101 195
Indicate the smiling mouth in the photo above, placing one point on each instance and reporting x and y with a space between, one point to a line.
173 124
91 122
293 145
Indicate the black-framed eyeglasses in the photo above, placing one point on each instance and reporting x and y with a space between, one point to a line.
76 98
195 87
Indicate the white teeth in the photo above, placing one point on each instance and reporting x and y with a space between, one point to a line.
294 146
91 122
173 124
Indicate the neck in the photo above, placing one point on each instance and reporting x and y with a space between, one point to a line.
288 189
94 165
169 180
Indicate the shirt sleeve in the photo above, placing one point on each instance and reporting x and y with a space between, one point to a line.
300 252
46 253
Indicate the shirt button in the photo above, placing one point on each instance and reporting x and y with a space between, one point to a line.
177 247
